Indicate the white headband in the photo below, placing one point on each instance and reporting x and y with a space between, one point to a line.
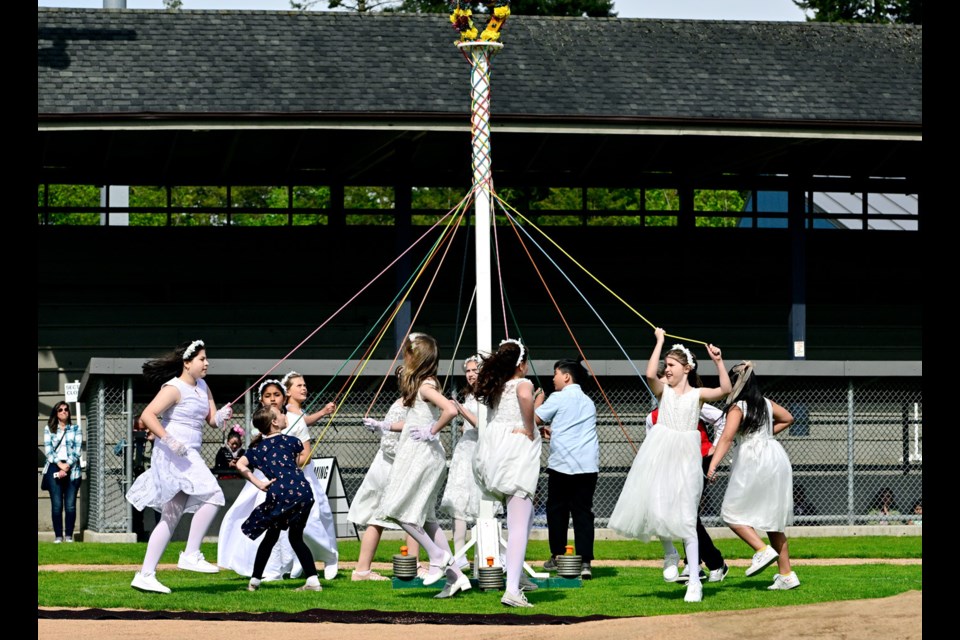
286 378
680 347
516 342
267 382
192 349
474 358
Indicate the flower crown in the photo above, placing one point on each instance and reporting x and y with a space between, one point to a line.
690 360
461 18
237 429
269 381
519 344
474 358
286 378
189 352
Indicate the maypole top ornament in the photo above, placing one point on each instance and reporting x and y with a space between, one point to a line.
462 19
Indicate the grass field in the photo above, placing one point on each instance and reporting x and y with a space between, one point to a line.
615 591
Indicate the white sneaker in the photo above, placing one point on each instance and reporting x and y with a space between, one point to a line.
781 582
148 583
253 585
312 584
684 576
68 539
762 559
514 599
671 567
694 592
717 575
330 571
57 540
195 562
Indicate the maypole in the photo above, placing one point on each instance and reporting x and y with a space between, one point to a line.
478 51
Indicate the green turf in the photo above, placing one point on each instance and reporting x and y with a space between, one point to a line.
537 550
621 591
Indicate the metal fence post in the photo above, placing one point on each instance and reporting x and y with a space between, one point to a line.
850 454
128 453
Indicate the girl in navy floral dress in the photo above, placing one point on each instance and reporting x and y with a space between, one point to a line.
289 497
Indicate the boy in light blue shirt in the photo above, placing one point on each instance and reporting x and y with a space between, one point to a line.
574 463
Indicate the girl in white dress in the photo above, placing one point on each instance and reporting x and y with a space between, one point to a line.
366 502
238 552
420 466
461 497
507 462
760 489
661 494
321 532
178 480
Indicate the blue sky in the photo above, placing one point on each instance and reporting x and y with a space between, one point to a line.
686 9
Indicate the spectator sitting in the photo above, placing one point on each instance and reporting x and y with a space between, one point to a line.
226 461
917 512
884 506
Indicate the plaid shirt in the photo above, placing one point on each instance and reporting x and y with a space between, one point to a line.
73 439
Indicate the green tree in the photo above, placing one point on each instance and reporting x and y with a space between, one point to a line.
588 8
879 11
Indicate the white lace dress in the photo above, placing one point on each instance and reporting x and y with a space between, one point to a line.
170 474
238 552
760 490
367 500
661 493
507 463
461 497
418 471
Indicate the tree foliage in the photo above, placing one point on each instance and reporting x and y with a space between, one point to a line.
879 11
586 8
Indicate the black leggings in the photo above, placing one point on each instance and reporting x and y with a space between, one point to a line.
296 541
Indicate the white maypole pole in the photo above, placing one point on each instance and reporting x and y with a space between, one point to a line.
487 531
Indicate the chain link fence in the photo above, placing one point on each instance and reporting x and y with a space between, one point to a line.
855 444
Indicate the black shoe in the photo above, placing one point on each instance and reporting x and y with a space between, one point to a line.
585 572
684 576
551 564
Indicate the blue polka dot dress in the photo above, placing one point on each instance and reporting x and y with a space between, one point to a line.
290 498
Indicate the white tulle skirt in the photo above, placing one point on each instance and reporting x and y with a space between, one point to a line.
760 490
661 494
367 500
170 474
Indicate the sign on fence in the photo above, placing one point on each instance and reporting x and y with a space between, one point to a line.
71 391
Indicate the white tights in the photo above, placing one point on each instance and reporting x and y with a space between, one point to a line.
169 518
519 523
459 534
691 546
431 537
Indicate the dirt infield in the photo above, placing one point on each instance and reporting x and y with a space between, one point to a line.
900 616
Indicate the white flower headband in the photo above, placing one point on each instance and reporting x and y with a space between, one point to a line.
519 344
286 378
192 349
680 347
474 358
413 336
266 383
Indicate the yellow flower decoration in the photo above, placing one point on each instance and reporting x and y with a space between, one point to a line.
462 22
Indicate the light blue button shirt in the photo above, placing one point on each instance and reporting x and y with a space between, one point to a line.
574 445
